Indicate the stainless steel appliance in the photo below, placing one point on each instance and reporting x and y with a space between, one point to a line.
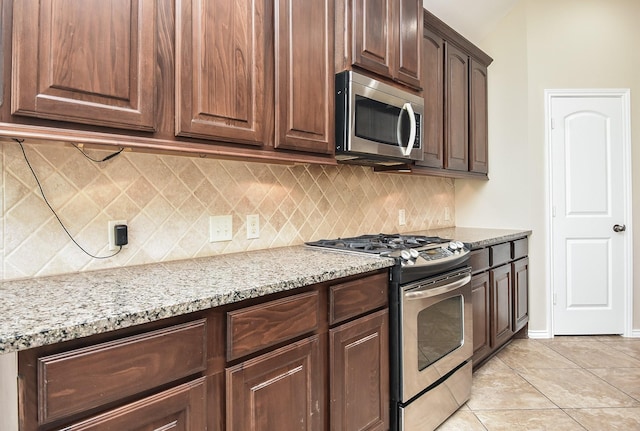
376 124
430 325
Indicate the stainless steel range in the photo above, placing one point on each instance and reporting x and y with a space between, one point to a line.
430 324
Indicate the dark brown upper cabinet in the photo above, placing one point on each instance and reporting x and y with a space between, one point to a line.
255 73
433 90
455 98
224 82
90 61
456 118
239 80
478 118
381 36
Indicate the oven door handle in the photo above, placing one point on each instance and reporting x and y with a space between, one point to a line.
427 292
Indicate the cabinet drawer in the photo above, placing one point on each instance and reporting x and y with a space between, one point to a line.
83 379
479 260
351 299
519 248
254 328
499 254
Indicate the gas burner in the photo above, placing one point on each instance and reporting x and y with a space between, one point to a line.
380 243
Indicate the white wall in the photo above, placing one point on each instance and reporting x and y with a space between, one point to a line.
9 392
547 44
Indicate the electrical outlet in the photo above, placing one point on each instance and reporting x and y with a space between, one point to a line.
402 218
220 228
112 235
253 226
447 214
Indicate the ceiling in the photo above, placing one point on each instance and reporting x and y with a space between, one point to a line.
471 18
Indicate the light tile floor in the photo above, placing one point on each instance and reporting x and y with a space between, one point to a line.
565 384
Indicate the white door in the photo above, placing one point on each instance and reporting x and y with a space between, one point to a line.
590 194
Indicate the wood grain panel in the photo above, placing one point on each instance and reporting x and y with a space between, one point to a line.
499 254
254 328
86 378
502 305
519 248
409 42
182 408
481 300
223 61
456 109
520 274
354 298
359 374
89 62
372 35
479 260
478 118
281 390
304 78
433 84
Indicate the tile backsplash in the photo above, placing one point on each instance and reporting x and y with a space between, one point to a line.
167 200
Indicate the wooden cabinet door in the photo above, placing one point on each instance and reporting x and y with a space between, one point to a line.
478 120
89 61
280 390
456 134
502 303
409 42
359 374
433 84
520 274
182 408
304 81
224 70
481 301
373 35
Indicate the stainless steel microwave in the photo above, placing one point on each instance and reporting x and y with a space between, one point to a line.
376 124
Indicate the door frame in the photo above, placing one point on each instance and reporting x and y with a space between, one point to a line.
624 94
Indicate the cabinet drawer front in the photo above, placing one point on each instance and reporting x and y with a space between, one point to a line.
254 328
479 260
347 300
180 408
83 379
499 254
519 248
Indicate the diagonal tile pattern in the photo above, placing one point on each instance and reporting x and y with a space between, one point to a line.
167 201
566 383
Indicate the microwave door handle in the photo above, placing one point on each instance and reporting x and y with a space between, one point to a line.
428 293
412 133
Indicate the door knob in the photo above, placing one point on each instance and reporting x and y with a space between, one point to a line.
619 228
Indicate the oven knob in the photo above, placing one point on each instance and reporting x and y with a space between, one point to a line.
414 253
453 246
460 245
405 255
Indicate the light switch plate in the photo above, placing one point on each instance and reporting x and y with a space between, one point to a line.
220 228
253 226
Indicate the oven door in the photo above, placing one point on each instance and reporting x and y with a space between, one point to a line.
436 330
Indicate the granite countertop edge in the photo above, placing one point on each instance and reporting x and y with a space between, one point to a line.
49 310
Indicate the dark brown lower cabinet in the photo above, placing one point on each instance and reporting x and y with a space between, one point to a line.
500 296
520 271
502 329
280 390
481 300
181 408
359 383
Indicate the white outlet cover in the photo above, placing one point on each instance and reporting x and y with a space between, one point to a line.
402 217
112 234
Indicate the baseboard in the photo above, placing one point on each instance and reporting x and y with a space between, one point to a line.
635 333
539 334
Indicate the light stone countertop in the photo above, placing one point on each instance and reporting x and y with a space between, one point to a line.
48 310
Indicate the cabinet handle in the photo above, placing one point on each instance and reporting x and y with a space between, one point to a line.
412 133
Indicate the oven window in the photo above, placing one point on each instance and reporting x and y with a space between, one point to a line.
440 330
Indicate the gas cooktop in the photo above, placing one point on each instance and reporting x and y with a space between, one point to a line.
382 244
